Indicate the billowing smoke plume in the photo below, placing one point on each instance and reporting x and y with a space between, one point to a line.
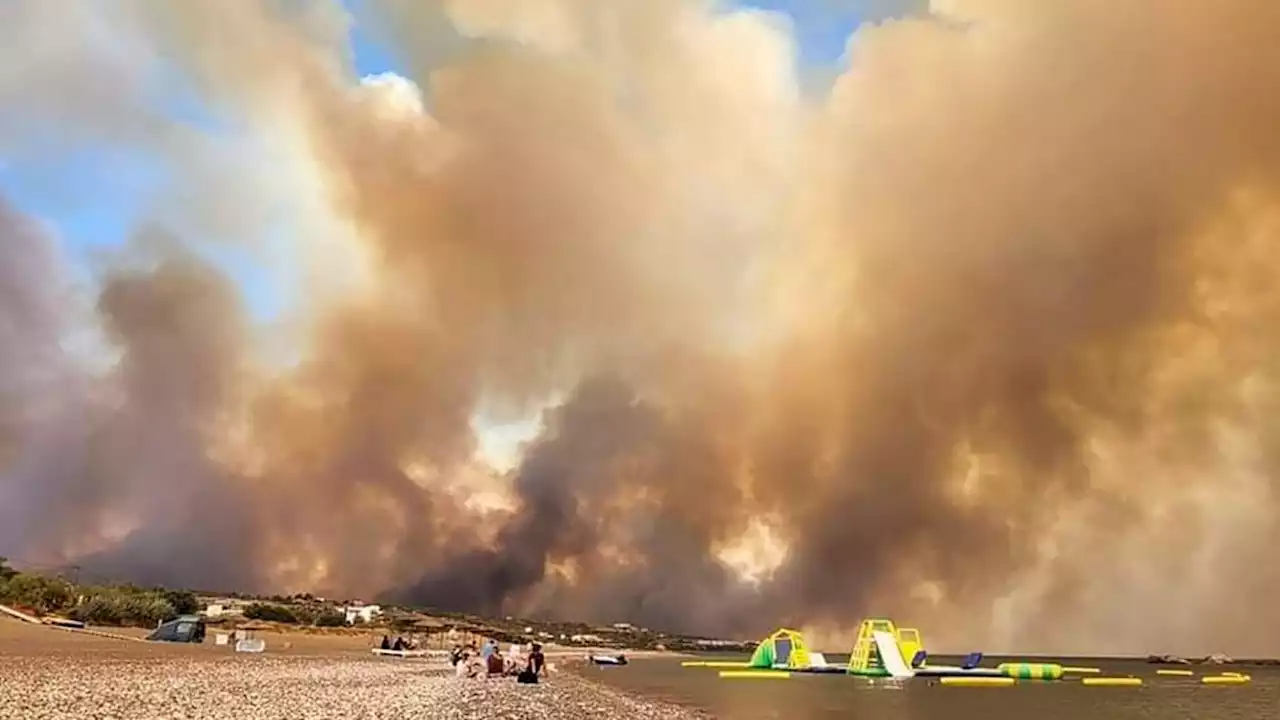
978 336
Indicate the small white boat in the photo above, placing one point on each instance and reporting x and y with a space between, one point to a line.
618 659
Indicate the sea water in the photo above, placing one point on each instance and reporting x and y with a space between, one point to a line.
820 697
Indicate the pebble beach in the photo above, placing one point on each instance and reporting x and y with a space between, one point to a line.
47 674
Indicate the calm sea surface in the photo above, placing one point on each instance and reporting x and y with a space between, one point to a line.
818 697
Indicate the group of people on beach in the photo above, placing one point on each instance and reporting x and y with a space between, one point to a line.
487 661
399 645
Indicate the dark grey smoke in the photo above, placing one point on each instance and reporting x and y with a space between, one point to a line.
33 368
630 498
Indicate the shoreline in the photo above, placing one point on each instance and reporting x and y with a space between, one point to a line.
297 687
50 674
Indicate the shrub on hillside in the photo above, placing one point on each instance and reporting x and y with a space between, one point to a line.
184 602
270 613
304 614
330 618
98 610
123 606
147 609
37 592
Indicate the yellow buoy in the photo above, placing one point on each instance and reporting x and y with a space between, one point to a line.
723 664
755 674
1183 673
1112 681
1225 679
1081 670
977 681
694 663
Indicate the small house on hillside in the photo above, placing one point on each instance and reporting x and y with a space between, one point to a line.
361 613
223 608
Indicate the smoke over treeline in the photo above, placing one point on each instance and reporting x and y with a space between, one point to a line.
979 336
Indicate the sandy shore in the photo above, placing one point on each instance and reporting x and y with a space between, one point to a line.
47 674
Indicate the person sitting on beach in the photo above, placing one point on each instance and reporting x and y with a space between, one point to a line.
494 665
532 671
469 664
537 661
513 662
399 644
386 643
462 668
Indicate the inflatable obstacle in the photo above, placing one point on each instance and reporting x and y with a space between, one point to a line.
784 648
1226 679
755 674
1111 681
962 681
1031 671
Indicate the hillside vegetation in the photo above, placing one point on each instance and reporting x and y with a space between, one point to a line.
130 605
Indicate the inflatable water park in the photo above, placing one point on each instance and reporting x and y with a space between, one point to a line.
883 650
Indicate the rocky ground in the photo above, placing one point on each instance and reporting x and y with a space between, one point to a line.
48 674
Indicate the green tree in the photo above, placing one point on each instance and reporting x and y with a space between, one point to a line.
184 602
304 614
270 613
123 605
38 593
330 618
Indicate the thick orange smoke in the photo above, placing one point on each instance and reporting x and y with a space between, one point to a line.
978 337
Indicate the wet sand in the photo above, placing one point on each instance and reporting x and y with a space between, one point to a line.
48 674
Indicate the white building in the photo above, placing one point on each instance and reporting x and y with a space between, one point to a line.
361 613
224 608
